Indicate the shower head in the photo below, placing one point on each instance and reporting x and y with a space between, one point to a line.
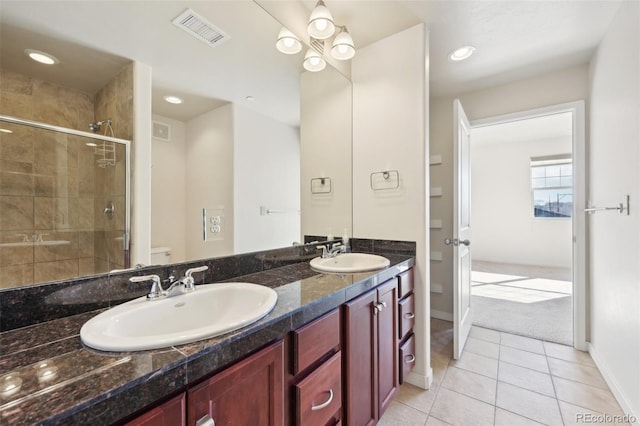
95 127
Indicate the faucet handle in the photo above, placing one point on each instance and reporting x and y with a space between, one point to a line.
198 269
156 288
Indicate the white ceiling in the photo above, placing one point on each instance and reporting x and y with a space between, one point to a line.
514 39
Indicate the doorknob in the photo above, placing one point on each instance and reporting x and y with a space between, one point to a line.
456 242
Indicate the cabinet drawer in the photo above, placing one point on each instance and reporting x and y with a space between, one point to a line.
314 340
170 413
407 316
407 357
405 283
319 396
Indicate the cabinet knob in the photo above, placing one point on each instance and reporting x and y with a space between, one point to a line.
206 421
324 404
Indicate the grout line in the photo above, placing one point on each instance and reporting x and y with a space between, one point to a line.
555 393
495 406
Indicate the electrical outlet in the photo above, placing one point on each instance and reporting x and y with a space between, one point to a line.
213 224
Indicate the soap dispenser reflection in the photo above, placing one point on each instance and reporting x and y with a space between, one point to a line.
345 240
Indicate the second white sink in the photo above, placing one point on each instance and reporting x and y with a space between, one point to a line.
209 311
350 263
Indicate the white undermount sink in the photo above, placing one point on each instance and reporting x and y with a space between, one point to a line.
350 263
208 311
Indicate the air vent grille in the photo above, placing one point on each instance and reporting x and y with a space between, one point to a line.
318 45
199 28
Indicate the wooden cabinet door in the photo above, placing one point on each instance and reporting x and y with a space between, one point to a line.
248 393
171 413
387 344
361 341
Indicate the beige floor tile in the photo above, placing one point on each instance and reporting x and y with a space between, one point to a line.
521 342
577 372
432 421
526 378
524 359
481 333
575 416
478 364
413 396
439 368
596 399
482 347
506 418
471 384
399 414
529 404
567 353
461 410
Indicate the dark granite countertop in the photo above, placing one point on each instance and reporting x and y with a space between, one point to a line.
47 376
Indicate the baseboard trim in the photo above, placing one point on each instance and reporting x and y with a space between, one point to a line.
613 385
445 316
420 380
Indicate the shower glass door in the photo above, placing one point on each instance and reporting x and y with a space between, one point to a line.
64 209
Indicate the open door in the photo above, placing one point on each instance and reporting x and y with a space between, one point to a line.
461 229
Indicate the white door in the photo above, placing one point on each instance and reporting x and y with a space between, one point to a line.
461 229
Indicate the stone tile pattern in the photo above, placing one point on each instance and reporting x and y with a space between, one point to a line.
51 185
536 383
93 387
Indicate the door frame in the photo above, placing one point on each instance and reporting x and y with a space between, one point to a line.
579 250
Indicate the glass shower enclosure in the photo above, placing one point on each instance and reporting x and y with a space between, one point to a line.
64 203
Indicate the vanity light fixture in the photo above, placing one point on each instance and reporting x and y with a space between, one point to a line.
313 61
173 100
321 24
461 53
321 27
288 43
343 47
42 57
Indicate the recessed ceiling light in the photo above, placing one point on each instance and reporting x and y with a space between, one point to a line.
42 57
6 131
461 53
250 98
173 99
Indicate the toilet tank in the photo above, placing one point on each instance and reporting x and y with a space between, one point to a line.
160 255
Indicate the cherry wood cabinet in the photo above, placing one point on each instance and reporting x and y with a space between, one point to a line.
248 393
406 321
371 368
170 413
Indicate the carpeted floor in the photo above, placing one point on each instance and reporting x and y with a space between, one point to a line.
533 302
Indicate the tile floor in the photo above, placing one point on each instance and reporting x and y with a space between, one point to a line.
503 379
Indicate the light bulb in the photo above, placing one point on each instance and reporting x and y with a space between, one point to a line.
313 61
321 24
287 42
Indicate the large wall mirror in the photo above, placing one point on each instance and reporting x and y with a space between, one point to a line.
234 166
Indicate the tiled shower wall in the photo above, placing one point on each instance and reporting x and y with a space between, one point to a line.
50 185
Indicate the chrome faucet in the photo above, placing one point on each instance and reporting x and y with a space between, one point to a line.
185 284
335 249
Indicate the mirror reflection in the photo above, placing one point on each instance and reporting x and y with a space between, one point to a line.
231 167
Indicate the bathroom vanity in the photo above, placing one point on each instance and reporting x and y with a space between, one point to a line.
333 351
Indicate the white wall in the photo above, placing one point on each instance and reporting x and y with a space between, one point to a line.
390 122
615 239
266 173
551 89
209 177
325 151
504 229
168 190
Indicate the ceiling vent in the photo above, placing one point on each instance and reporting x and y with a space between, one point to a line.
318 45
199 28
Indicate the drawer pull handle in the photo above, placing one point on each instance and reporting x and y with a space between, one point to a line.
410 359
410 315
324 404
206 421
